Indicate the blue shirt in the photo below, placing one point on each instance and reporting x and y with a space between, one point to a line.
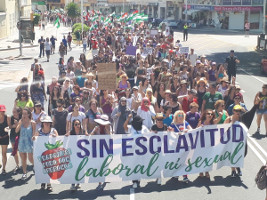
179 127
168 120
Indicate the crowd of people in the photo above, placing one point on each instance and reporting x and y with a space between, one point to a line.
164 90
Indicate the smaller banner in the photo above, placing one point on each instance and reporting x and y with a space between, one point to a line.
131 50
106 76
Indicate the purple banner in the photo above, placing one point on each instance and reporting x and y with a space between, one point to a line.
237 8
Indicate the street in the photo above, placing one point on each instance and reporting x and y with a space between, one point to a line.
220 187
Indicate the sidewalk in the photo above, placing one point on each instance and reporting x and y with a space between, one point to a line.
12 41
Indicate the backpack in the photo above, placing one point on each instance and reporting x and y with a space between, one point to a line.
260 178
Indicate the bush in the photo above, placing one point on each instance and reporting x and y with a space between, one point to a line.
36 19
78 28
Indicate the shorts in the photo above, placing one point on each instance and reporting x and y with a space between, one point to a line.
47 52
4 140
261 111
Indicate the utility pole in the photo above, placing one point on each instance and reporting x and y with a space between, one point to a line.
264 18
20 39
186 10
82 17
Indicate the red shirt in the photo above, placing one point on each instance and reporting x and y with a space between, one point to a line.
186 102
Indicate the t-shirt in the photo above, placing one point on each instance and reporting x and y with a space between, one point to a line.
80 117
211 99
180 127
168 120
23 104
155 128
231 61
60 121
192 118
80 81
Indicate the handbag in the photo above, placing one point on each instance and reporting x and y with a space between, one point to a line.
260 178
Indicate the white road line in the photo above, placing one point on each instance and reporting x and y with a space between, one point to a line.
257 145
256 152
253 76
132 194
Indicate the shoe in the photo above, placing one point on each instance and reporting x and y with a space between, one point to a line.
258 130
72 187
239 173
24 176
43 186
78 186
99 187
134 185
3 172
233 174
158 181
49 188
33 169
16 170
185 179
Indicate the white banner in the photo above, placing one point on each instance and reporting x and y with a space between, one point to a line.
109 158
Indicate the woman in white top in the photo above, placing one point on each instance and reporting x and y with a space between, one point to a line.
146 112
47 46
76 114
37 114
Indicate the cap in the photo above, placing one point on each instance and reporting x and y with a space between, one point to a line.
2 108
232 51
159 116
137 118
224 80
67 79
46 119
37 103
198 62
213 63
238 107
103 120
193 91
238 95
238 87
135 88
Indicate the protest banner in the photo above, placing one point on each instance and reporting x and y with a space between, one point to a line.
106 76
147 51
131 50
111 158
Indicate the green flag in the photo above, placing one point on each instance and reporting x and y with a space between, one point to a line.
58 24
57 20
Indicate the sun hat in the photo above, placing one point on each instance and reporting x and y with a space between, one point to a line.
168 92
103 120
159 116
183 82
198 62
2 108
46 119
202 80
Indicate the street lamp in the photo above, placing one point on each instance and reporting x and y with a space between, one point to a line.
264 18
186 10
82 17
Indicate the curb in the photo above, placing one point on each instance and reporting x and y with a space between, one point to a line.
36 45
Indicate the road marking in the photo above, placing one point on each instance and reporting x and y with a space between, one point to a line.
252 75
132 194
257 145
256 152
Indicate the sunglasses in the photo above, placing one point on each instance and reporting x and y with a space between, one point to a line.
180 115
160 120
237 98
77 124
209 114
38 106
145 101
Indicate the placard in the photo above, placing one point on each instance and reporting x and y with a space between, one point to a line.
153 32
184 50
124 157
106 76
131 50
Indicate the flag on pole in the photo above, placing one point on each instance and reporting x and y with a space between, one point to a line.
57 20
58 25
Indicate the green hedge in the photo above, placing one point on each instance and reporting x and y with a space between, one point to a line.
78 27
36 19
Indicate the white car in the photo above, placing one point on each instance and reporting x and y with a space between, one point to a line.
171 23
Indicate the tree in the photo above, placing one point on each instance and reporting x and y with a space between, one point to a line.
73 10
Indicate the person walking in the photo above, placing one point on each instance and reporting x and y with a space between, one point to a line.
247 27
69 39
231 62
48 47
53 42
41 41
185 32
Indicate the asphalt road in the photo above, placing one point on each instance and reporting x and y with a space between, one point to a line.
220 187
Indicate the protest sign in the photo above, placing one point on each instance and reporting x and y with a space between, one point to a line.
184 50
147 51
110 158
153 32
131 50
106 76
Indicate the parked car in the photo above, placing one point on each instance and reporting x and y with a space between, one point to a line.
156 22
171 23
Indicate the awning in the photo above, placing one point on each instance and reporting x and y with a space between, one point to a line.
189 12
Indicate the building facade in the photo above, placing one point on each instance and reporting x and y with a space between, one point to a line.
226 14
9 15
